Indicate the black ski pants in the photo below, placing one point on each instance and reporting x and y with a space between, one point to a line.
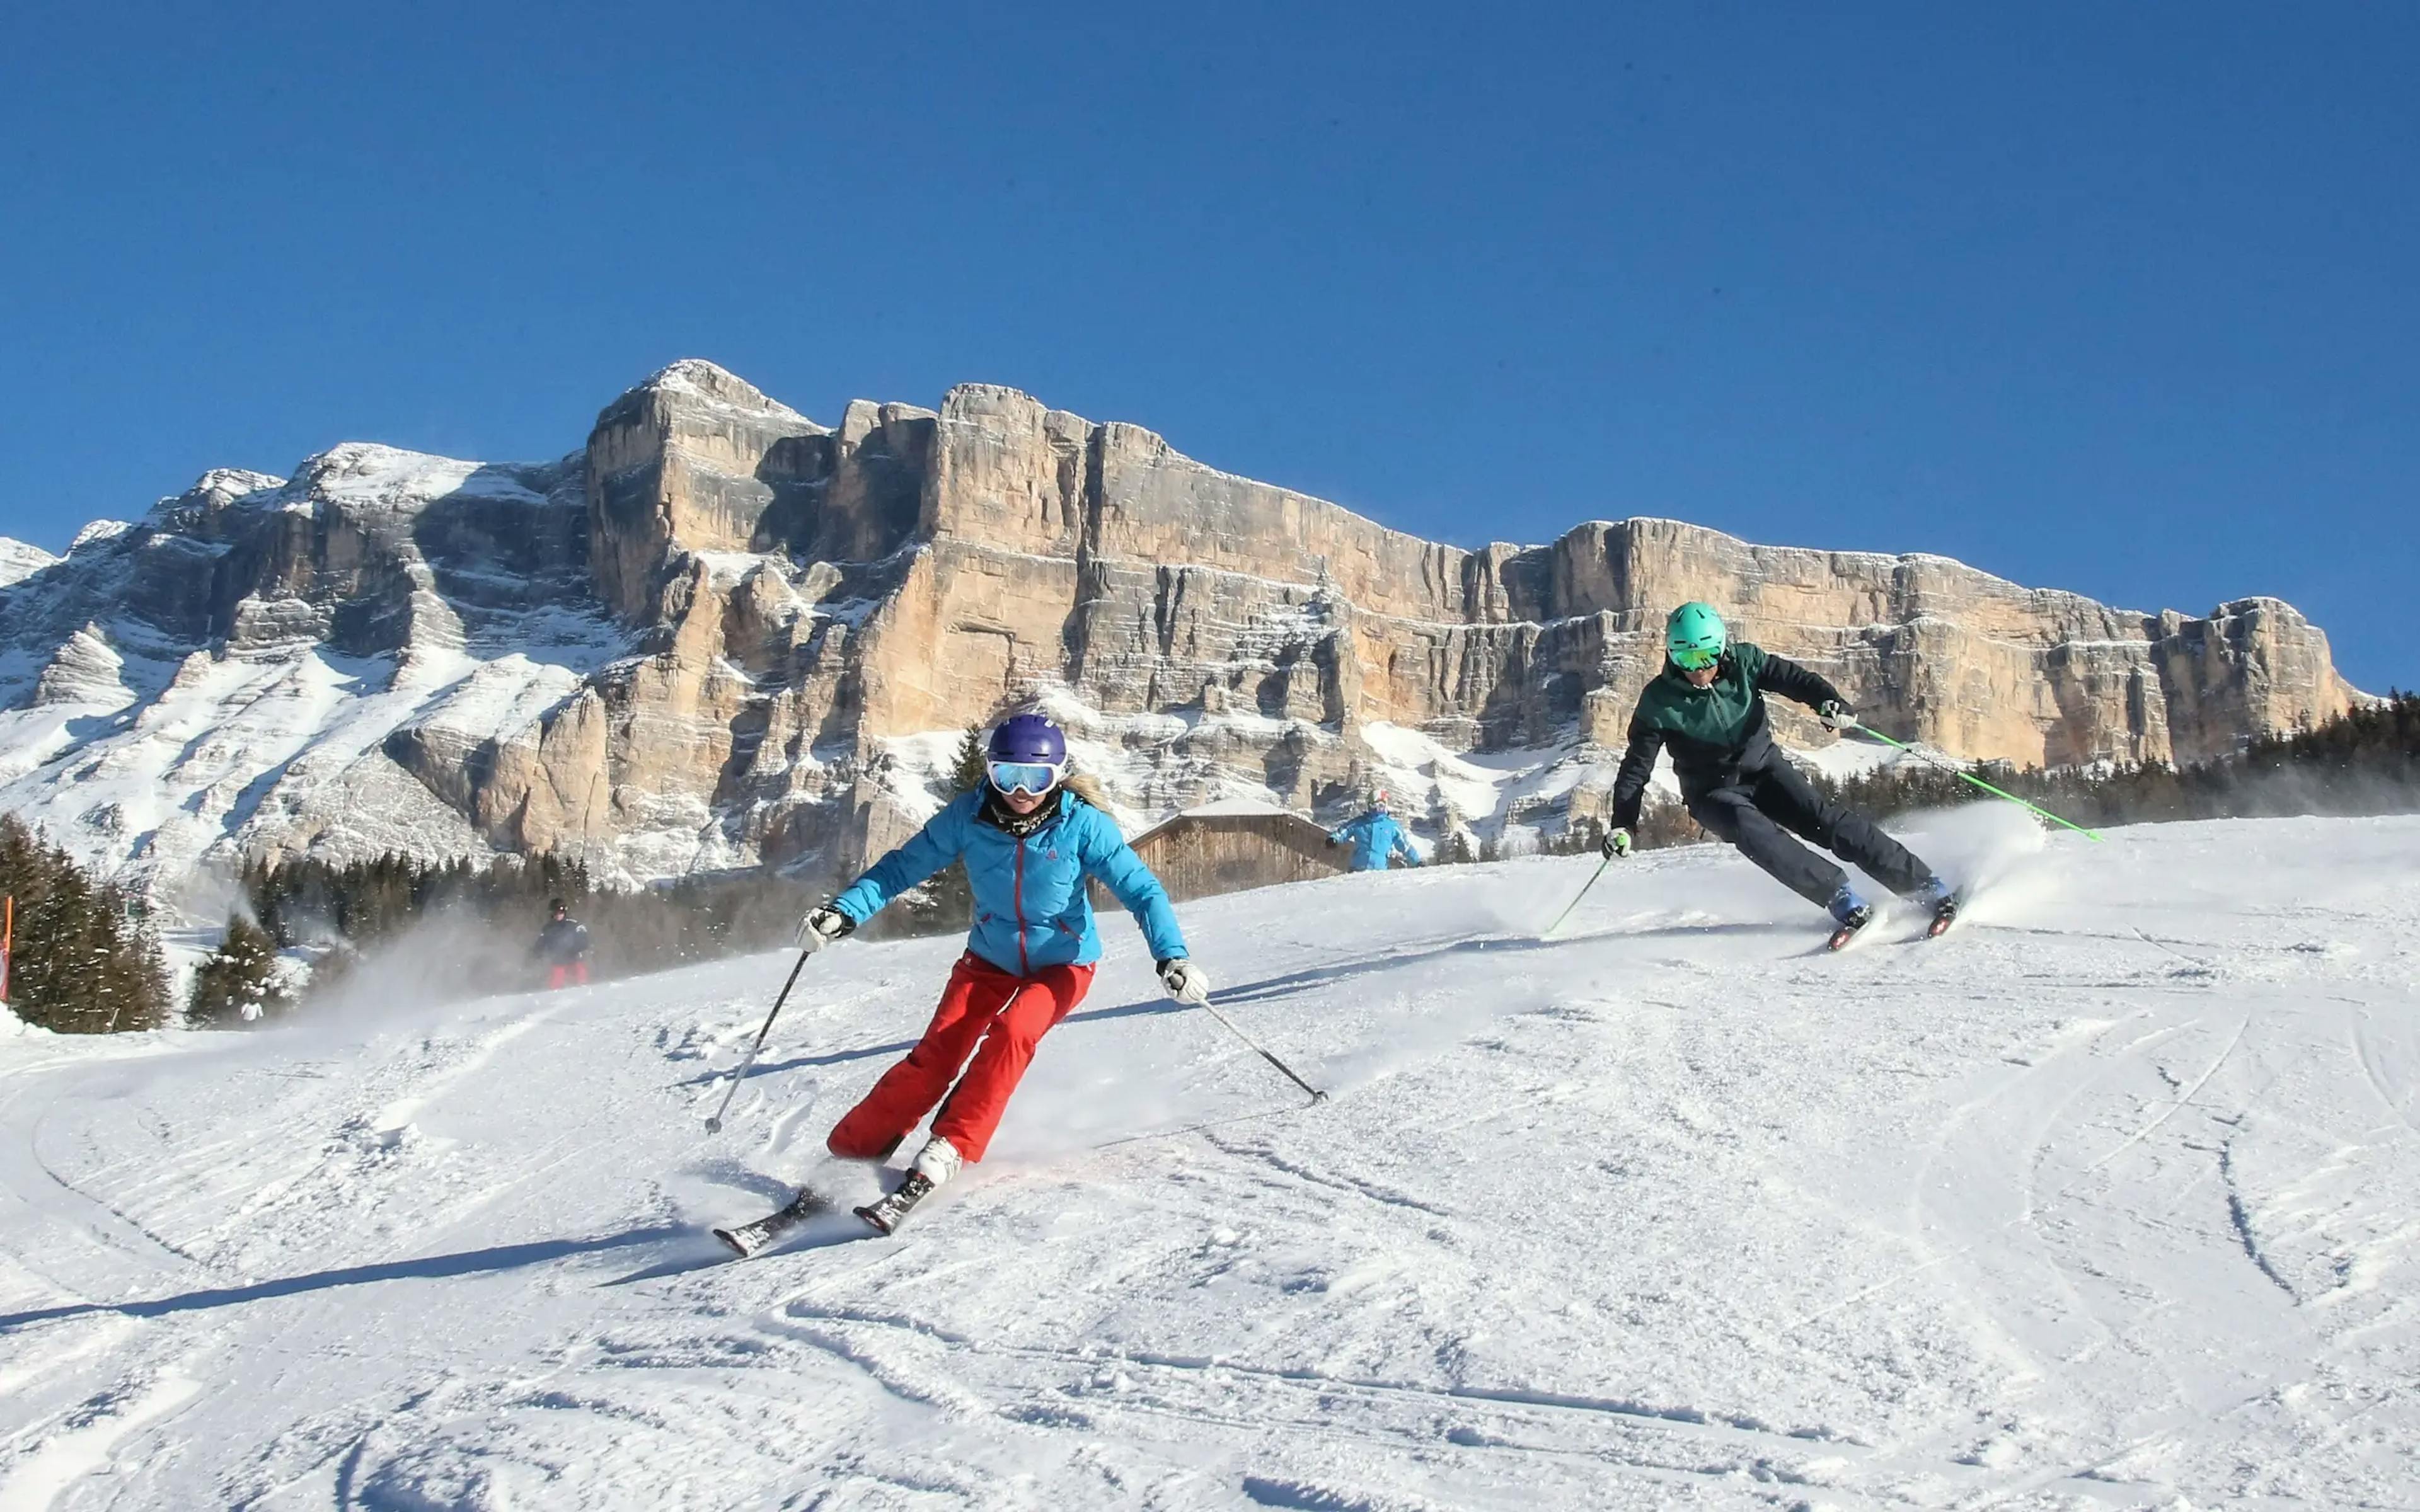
1761 811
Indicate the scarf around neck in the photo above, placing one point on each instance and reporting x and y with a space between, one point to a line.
1001 816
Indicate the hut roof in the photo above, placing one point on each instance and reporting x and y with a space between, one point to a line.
1281 826
1226 808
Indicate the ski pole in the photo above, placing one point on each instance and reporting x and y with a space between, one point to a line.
1316 1095
714 1125
1956 770
1577 897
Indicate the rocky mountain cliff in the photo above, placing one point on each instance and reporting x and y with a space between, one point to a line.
723 634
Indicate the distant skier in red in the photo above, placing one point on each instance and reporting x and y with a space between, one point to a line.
1030 840
563 945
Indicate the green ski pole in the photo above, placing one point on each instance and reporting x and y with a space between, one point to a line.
1577 897
1959 771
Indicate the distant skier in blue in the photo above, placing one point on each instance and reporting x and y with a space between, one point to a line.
1376 839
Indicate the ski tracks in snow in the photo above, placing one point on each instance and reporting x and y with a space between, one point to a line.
2092 1202
2202 1202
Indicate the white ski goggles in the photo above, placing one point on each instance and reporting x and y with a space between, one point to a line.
1032 779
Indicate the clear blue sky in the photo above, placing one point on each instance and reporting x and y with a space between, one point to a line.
2120 299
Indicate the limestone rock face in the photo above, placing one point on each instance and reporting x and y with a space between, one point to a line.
720 633
1098 558
694 460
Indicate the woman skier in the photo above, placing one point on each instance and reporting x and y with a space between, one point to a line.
1708 706
1031 835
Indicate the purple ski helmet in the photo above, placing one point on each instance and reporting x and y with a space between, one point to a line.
1028 738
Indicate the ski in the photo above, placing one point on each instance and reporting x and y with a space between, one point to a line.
1945 913
885 1214
1859 917
751 1239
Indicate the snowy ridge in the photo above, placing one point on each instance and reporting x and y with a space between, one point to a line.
2100 1201
98 532
709 384
20 560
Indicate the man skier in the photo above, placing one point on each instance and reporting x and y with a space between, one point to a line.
1708 706
1030 835
564 943
1375 838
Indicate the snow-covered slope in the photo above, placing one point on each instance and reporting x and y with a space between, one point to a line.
2103 1200
20 560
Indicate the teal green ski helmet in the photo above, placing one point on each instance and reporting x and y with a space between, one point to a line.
1695 636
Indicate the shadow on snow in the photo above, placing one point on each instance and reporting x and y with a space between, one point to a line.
426 1268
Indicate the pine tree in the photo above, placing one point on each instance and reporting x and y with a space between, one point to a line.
84 963
969 771
948 902
238 984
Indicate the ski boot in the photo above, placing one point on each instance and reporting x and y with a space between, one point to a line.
935 1164
1944 904
1850 914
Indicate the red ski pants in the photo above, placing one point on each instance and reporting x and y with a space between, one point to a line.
1008 1014
573 973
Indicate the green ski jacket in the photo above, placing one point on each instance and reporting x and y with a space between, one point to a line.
1719 733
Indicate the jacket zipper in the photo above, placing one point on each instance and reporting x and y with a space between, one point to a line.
1024 968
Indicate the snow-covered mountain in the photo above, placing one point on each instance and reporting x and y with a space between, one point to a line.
2100 1201
720 633
180 712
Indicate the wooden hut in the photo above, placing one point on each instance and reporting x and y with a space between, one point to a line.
1228 847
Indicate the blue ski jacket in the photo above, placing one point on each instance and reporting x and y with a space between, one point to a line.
1031 907
1375 838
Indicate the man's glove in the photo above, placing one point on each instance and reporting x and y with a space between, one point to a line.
822 926
1616 843
1836 714
1185 982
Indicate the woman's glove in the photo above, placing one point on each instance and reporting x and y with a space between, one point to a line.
823 925
1836 714
1185 982
1616 843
